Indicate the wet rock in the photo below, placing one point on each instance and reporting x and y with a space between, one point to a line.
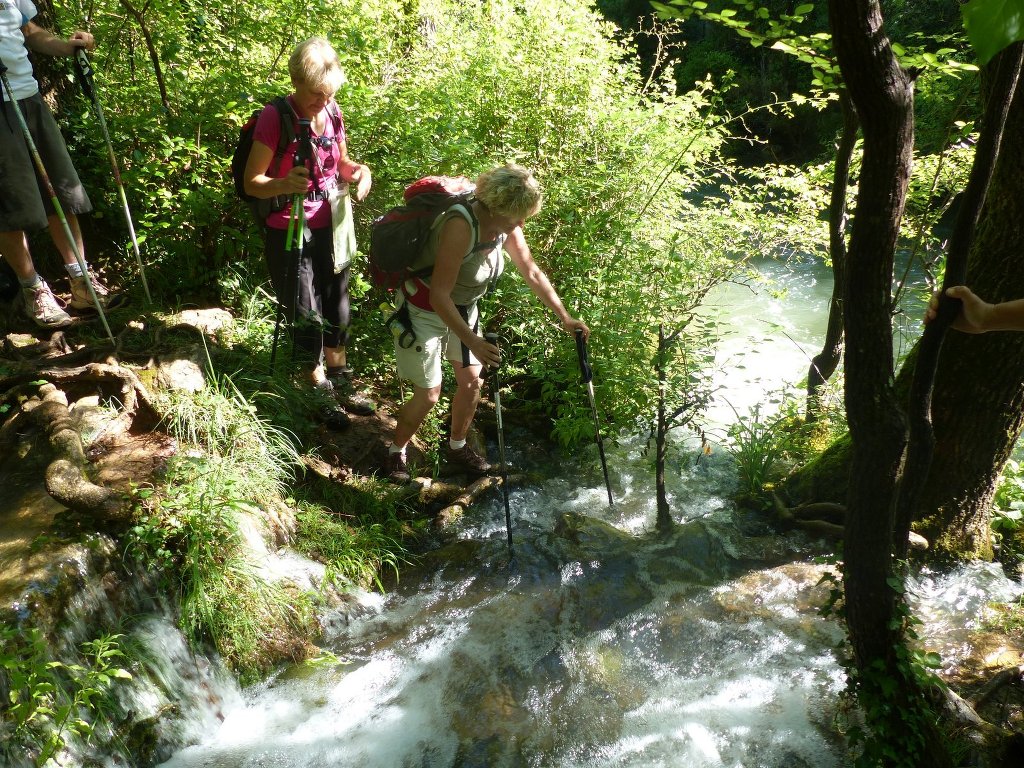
693 552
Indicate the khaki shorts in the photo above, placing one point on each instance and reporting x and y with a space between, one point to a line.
24 201
420 364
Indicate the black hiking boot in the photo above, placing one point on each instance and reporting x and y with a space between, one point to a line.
333 417
465 459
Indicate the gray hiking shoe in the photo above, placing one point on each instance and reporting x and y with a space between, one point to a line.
42 307
351 399
397 469
82 299
465 459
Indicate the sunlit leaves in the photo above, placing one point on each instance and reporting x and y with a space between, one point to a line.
993 25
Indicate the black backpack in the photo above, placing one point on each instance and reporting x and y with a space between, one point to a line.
398 236
262 207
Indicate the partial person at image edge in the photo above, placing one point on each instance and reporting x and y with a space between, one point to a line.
977 315
20 210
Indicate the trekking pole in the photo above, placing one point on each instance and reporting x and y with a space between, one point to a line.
588 379
296 229
496 388
83 68
53 198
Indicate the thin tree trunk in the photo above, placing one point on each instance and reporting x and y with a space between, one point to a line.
154 57
664 521
825 362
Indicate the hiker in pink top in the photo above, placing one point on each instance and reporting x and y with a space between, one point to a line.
321 313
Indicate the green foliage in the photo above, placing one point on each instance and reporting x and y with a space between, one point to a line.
757 442
229 428
355 550
49 701
993 25
803 34
893 714
1008 513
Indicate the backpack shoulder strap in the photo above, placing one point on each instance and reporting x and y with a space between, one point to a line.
287 115
464 209
335 112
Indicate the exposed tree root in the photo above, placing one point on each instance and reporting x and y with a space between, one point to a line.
454 511
67 476
824 518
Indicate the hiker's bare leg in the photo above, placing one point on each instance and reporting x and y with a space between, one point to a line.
413 413
334 357
14 247
60 240
466 399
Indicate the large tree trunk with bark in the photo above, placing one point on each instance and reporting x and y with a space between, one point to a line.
978 402
882 93
978 405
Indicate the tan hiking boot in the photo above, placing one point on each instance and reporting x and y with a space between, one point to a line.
43 308
465 459
82 299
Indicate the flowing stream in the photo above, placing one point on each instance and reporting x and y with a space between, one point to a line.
600 643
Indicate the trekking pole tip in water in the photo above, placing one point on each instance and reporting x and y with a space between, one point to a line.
588 379
492 338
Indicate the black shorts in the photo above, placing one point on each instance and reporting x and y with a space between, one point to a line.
24 200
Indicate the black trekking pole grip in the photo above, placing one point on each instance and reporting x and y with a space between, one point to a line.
83 73
581 353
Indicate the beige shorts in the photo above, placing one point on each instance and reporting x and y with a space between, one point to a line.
420 363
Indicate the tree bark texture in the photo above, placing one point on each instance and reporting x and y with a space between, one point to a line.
1006 70
882 93
978 403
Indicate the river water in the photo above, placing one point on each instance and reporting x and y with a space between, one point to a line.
600 642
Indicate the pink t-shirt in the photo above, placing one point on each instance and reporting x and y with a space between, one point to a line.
326 153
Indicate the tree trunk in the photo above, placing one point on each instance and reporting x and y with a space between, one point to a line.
664 518
1006 67
882 93
978 406
978 401
825 362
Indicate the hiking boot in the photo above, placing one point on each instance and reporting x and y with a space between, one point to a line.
81 298
334 418
465 459
396 468
42 306
351 400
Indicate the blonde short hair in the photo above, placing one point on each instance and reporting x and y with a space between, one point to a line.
315 64
509 190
